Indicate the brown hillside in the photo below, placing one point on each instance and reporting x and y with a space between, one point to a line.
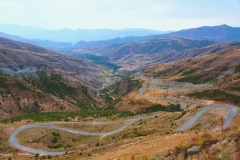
199 69
23 60
6 43
140 61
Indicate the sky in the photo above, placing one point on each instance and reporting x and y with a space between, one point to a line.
118 14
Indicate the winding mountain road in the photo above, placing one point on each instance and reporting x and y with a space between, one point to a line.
16 144
189 123
228 119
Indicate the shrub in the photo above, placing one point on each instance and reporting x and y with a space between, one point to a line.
54 140
237 69
97 144
169 108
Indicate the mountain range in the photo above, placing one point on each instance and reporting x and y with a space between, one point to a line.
222 33
153 46
73 36
64 39
136 62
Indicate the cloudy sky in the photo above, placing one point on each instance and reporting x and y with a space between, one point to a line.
118 14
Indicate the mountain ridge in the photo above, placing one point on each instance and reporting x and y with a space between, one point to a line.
136 62
73 36
221 33
153 46
42 43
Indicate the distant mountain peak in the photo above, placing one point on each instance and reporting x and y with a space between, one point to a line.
224 25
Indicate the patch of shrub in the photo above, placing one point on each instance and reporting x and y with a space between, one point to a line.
237 69
56 146
169 108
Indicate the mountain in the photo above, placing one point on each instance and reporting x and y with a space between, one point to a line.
42 43
222 33
6 43
136 62
22 58
118 40
200 69
147 47
86 38
34 79
73 36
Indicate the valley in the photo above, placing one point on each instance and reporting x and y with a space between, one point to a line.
169 96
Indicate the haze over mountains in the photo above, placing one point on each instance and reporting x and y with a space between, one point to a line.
222 33
43 43
73 36
64 39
